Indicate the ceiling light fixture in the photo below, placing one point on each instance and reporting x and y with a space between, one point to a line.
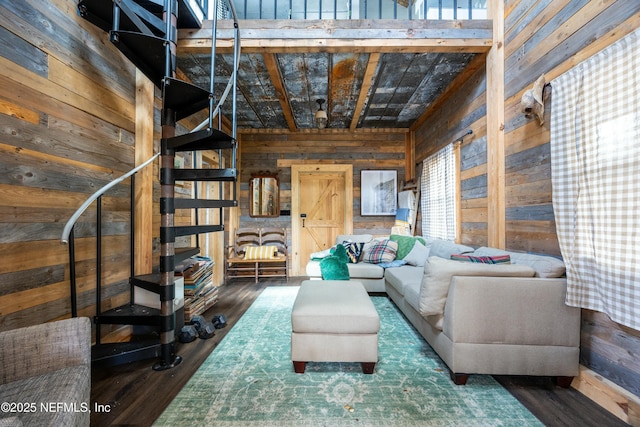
321 115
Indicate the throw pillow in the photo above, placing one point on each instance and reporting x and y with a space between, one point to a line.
418 255
259 252
499 259
445 248
354 250
333 268
381 251
434 288
405 244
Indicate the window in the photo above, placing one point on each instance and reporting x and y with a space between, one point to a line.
439 194
595 166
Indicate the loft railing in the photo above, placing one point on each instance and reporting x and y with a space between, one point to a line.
200 7
360 9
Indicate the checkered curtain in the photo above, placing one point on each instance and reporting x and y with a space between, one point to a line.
595 166
438 188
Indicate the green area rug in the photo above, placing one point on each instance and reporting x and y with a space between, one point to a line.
249 381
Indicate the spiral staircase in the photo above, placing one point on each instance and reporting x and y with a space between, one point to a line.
145 31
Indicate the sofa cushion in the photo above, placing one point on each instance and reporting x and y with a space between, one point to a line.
400 277
544 266
365 270
361 270
445 248
437 278
418 255
380 251
334 268
313 268
412 294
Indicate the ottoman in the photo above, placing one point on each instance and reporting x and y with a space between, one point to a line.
334 321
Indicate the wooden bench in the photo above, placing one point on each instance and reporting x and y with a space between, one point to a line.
239 265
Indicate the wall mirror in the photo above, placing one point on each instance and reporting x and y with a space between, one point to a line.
264 194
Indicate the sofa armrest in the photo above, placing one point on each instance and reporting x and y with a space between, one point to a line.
39 349
510 310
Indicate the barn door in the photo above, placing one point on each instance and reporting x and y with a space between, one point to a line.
321 209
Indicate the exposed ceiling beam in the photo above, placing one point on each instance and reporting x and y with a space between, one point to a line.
372 64
276 79
473 36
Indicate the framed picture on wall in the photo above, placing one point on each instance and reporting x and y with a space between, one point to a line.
378 192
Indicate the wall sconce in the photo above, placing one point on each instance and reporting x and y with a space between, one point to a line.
321 115
532 102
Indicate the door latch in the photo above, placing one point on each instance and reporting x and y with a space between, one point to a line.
303 216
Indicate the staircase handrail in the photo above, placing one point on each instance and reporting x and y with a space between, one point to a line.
72 221
233 78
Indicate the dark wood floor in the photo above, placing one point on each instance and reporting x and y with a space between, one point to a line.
134 394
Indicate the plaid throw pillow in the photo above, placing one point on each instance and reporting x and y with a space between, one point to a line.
499 259
383 251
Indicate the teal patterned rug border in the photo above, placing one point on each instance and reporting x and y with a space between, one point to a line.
248 381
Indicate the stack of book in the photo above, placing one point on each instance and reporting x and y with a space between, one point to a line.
200 293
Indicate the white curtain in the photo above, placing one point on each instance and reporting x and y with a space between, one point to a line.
438 201
595 165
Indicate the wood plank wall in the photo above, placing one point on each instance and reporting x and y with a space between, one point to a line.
277 151
67 110
541 37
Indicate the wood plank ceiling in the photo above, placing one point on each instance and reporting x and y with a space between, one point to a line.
382 78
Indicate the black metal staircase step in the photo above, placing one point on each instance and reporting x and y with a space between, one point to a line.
114 354
132 314
151 283
204 174
100 13
145 51
203 203
205 139
184 98
190 230
133 13
183 253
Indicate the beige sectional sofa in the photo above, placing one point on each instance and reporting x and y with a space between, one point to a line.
499 319
491 318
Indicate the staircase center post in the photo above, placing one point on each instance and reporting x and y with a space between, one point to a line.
168 358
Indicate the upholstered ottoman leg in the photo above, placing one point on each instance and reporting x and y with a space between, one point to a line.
299 367
368 367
